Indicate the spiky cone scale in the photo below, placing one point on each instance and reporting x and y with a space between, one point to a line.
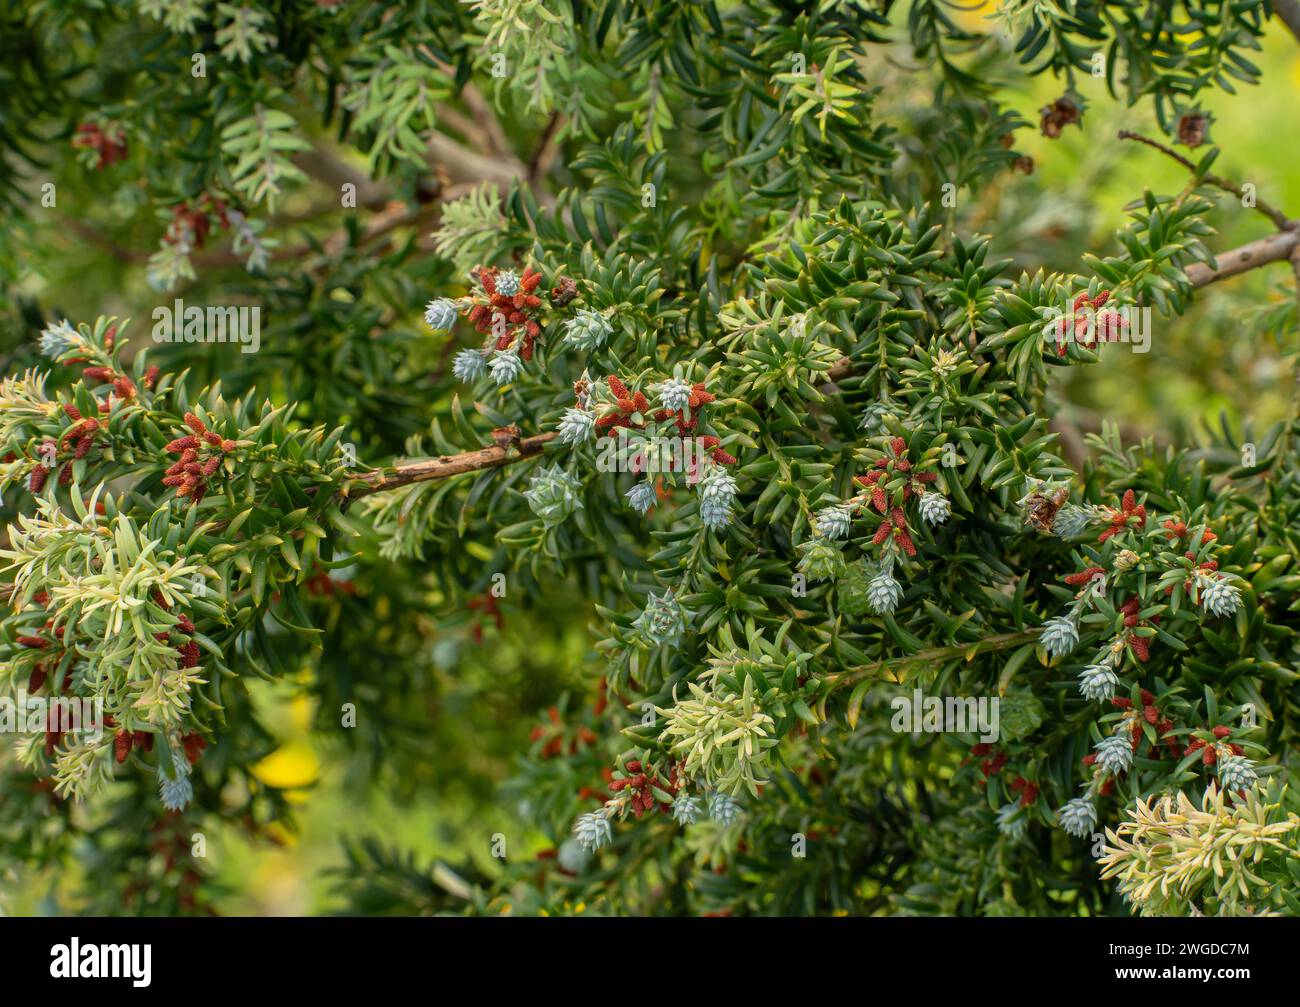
441 314
1236 773
662 620
553 495
723 808
1060 636
592 831
1098 682
717 494
577 426
884 592
1114 754
469 365
1078 817
642 496
834 521
587 330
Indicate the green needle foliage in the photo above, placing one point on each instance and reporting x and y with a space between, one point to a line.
726 435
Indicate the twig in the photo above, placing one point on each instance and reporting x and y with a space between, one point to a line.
452 465
547 147
1274 248
489 131
1279 218
1002 641
395 216
841 369
1295 394
464 165
390 216
466 127
324 166
88 233
482 109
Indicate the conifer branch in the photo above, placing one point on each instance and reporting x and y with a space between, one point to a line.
1273 248
172 535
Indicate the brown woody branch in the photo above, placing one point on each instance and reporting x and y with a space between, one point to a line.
326 167
465 165
547 147
1295 269
1274 248
1279 218
509 449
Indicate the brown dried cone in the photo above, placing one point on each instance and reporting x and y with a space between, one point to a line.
1058 115
563 292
